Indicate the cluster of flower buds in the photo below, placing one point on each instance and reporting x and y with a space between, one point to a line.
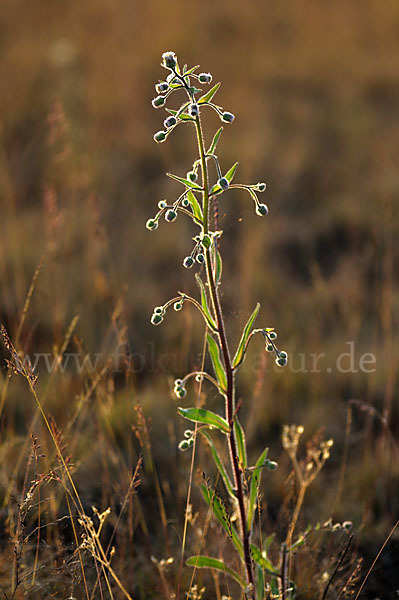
180 79
270 336
202 243
158 315
180 389
188 441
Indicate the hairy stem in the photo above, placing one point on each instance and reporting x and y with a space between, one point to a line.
230 393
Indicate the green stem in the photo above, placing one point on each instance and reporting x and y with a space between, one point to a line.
230 393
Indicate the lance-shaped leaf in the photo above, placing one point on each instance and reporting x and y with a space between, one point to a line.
219 464
240 353
204 303
185 73
218 265
261 559
186 182
260 583
216 362
215 140
202 415
221 514
254 487
231 172
209 95
207 562
240 439
196 208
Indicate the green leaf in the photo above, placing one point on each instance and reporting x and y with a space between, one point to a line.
262 560
194 90
186 182
254 487
219 464
231 172
209 95
221 514
240 353
201 415
215 140
197 212
240 439
190 71
206 562
204 303
184 117
218 265
260 583
216 362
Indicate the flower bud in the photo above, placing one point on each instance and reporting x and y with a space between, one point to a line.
169 122
160 136
262 210
193 110
188 433
162 204
269 347
228 117
183 445
178 382
170 215
192 176
156 319
185 202
181 392
200 258
223 182
261 187
205 78
283 354
169 60
271 465
280 361
161 87
151 224
188 262
178 305
272 335
159 310
158 101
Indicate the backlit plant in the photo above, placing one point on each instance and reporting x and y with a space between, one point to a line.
199 193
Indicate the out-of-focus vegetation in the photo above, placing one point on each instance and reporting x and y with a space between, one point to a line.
315 89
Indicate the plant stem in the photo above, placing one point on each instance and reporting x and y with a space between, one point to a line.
230 393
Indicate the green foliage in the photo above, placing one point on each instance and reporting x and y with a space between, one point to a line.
201 562
207 417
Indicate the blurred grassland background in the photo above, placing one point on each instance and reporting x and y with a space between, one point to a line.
315 90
